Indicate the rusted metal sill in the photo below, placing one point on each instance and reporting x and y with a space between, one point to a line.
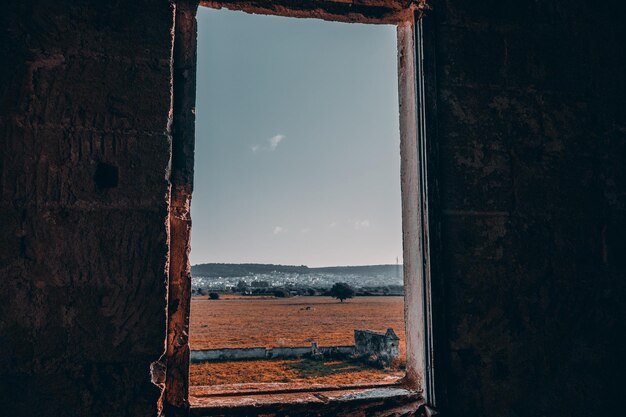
327 401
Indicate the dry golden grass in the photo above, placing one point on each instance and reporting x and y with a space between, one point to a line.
253 322
290 370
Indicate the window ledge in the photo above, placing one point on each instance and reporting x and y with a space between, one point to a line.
340 402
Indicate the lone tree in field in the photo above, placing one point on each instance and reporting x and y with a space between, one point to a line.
341 291
214 296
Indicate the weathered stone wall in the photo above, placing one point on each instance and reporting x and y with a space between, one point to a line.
379 347
84 154
532 179
282 352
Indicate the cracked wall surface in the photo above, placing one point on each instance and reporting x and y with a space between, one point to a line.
84 103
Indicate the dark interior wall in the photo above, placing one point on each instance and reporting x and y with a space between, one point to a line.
84 154
532 143
532 163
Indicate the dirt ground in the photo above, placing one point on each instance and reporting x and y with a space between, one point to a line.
297 321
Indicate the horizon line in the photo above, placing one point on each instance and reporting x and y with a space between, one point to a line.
325 266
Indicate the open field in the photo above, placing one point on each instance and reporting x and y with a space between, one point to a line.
252 322
297 321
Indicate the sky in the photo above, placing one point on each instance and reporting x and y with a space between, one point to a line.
297 154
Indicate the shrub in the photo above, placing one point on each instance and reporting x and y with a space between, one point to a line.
242 287
280 293
214 296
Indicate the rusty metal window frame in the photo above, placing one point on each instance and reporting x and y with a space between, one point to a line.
417 387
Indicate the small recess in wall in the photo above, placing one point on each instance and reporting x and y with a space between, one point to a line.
106 176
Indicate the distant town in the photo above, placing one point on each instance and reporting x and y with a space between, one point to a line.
291 280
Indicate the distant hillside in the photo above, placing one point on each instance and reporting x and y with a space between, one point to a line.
358 270
239 270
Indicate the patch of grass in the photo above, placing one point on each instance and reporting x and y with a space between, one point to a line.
290 370
307 368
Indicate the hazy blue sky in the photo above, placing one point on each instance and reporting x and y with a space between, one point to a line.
297 142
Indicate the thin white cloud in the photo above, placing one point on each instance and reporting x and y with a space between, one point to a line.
332 224
361 224
275 140
278 230
272 144
306 230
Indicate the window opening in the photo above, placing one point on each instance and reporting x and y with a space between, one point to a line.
297 191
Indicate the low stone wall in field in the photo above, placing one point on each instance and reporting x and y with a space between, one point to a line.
232 354
379 348
228 354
